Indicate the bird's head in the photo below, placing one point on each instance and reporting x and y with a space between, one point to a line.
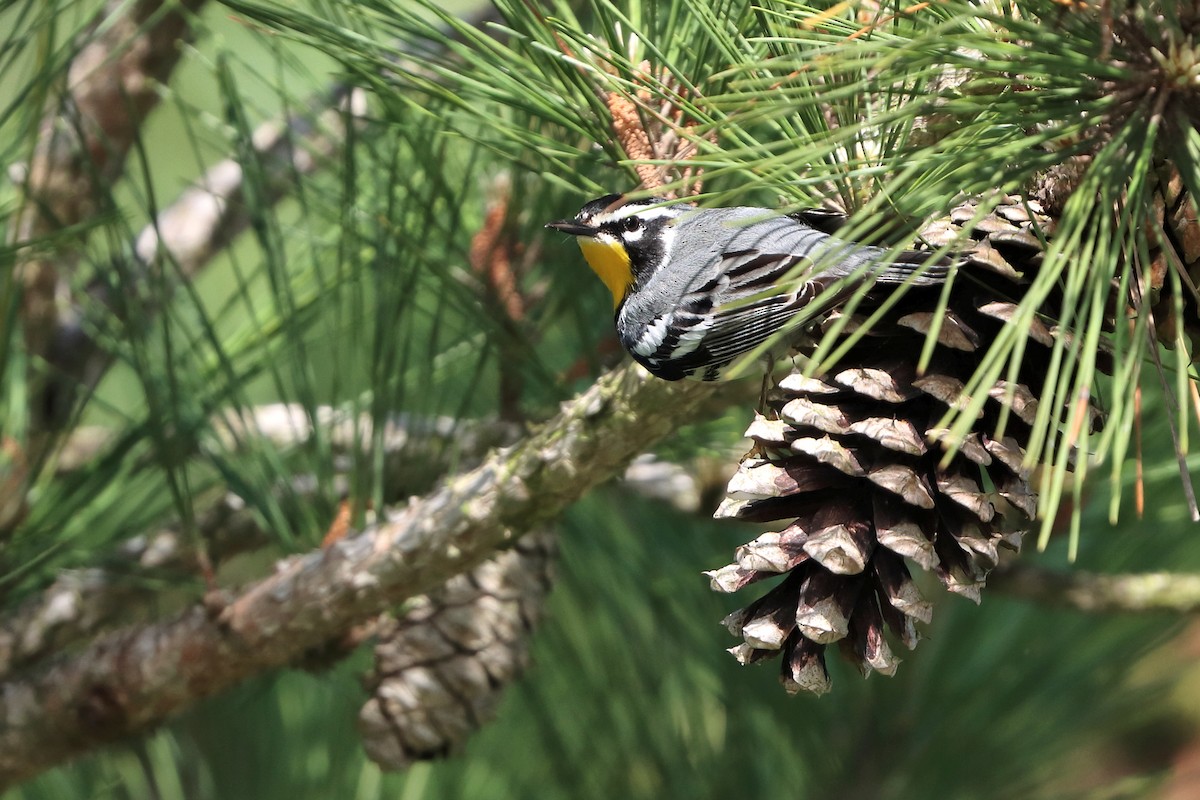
624 241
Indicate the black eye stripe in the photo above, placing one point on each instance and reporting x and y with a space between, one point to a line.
618 227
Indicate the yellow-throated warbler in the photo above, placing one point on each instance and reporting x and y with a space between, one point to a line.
694 289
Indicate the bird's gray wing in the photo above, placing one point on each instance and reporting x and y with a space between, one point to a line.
731 314
749 295
750 273
701 344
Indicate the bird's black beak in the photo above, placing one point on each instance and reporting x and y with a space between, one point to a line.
572 227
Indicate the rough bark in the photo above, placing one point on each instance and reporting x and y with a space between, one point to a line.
81 603
132 680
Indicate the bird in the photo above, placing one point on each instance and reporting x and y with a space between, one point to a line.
696 289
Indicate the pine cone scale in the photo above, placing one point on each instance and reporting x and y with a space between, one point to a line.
855 463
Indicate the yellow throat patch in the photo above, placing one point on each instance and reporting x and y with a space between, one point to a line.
610 261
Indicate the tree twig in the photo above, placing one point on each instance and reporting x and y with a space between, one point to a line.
81 603
111 87
199 224
1177 593
129 681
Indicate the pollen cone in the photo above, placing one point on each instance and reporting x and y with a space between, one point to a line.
849 467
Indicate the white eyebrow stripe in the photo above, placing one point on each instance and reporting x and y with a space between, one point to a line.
652 213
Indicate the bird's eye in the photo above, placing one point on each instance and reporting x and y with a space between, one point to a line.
632 223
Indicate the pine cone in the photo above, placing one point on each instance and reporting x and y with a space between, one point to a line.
852 464
442 668
1176 229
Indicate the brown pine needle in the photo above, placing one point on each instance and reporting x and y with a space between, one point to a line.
1080 413
817 20
1195 398
339 527
490 256
867 29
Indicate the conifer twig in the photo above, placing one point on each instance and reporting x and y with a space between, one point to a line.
79 604
131 680
1177 593
111 87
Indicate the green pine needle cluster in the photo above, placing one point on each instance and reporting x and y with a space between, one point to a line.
350 286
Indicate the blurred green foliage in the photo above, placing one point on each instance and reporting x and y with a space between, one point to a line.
631 696
356 290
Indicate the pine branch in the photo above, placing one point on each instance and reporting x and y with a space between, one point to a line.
83 148
205 218
111 88
1177 593
79 604
132 680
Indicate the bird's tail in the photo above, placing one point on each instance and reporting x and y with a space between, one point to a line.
917 268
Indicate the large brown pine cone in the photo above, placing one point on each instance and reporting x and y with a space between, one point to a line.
851 465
